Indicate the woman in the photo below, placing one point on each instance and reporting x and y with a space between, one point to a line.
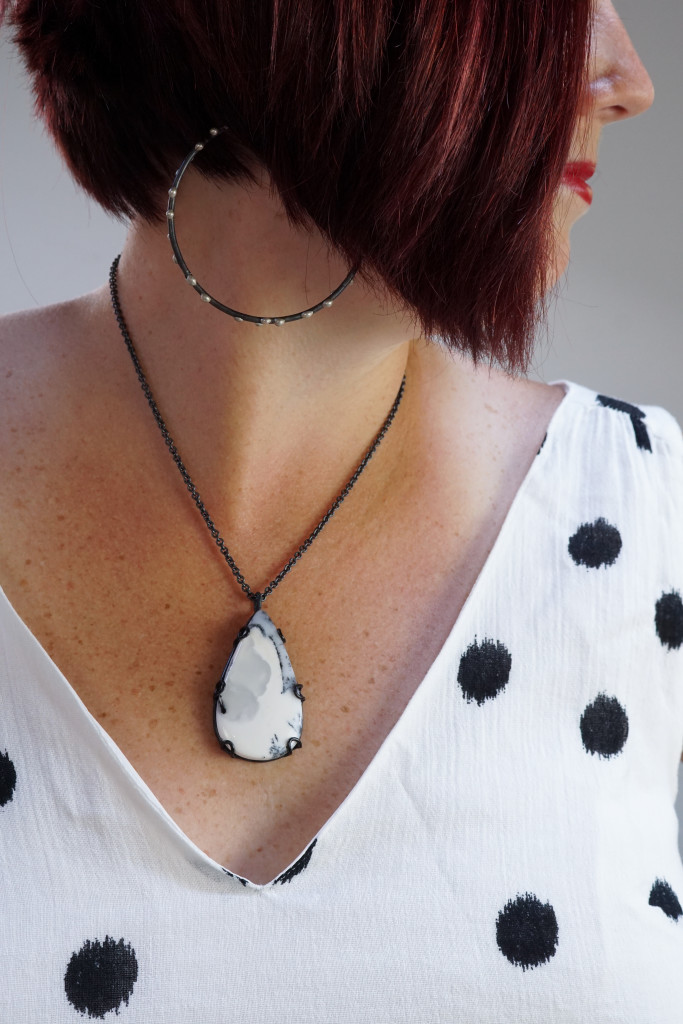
472 819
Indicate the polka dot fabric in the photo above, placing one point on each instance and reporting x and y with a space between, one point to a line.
509 855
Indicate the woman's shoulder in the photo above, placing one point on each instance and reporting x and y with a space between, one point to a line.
41 350
29 337
42 390
33 344
613 413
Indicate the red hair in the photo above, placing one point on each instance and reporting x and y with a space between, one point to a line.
424 138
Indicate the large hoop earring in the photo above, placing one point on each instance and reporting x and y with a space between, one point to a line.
202 292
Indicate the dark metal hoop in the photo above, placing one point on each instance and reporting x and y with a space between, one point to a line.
202 292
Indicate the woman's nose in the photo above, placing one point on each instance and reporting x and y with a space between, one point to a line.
620 86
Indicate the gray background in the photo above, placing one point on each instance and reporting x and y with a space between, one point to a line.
616 326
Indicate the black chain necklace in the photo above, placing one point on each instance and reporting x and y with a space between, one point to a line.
257 698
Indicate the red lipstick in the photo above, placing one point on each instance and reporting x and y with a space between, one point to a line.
575 177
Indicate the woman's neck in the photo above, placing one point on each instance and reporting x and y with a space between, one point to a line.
263 414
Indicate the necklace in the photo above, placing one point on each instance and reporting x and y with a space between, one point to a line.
257 702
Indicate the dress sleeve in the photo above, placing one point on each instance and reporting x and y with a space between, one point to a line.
667 436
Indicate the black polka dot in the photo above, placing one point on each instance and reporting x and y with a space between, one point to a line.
663 896
595 544
233 875
101 976
526 931
298 865
637 418
669 619
8 778
484 670
545 436
604 726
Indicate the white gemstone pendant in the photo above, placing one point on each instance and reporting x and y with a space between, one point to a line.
257 712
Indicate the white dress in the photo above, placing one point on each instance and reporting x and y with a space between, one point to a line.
509 855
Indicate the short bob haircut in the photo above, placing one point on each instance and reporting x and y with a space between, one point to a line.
424 138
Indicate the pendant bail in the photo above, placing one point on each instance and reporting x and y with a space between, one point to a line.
257 598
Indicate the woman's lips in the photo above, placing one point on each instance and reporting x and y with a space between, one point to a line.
575 175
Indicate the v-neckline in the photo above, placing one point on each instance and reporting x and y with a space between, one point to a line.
418 694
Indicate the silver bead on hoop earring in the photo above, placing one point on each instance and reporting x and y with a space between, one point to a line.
202 292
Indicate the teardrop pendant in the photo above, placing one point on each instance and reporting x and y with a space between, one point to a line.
257 712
